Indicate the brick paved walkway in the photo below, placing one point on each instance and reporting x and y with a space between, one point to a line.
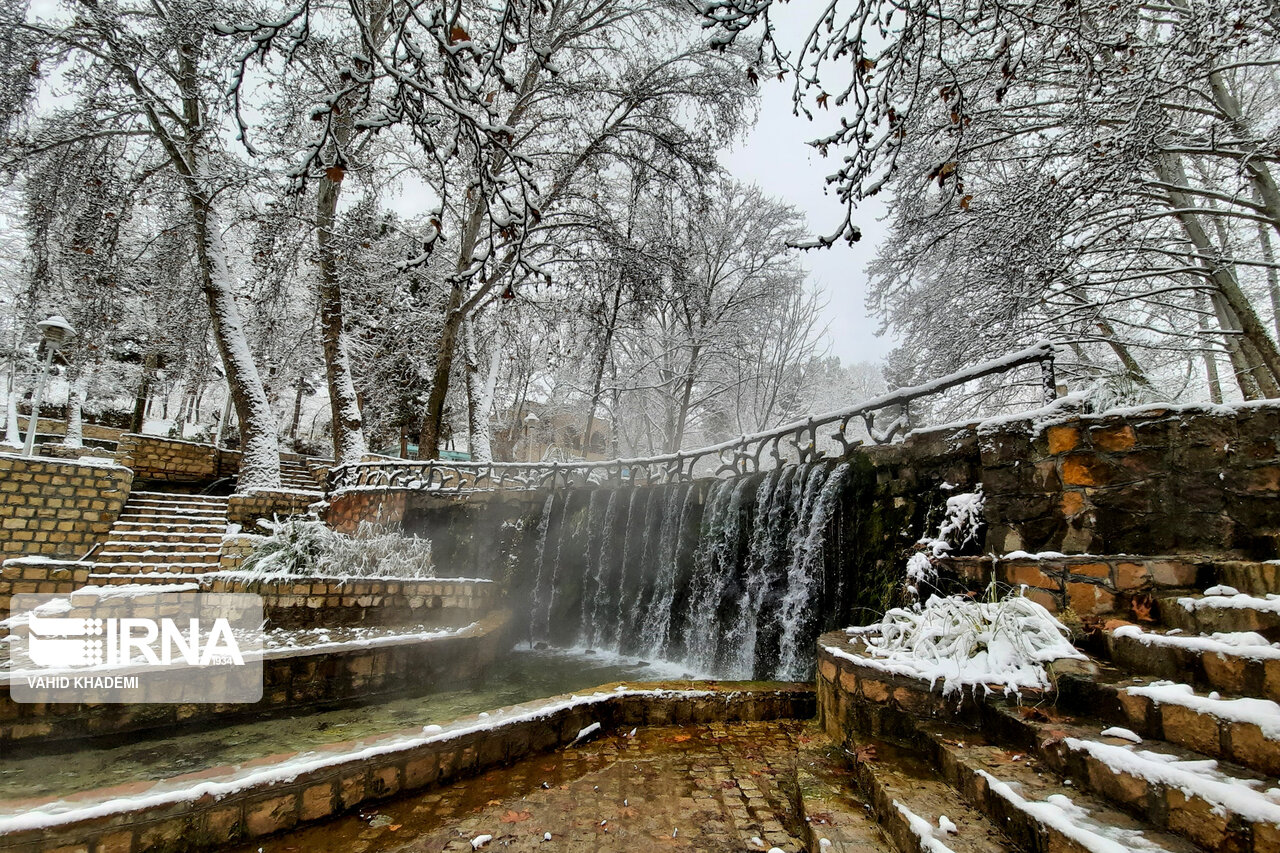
707 788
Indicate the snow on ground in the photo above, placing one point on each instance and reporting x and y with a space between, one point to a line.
1232 601
1122 733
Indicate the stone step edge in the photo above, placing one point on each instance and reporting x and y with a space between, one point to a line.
1249 671
899 707
1214 727
1166 797
267 799
833 818
912 832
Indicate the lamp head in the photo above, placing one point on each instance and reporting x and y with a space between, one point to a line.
56 330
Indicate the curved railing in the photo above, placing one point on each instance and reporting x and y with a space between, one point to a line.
744 455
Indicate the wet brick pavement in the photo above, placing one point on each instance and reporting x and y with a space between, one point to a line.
712 788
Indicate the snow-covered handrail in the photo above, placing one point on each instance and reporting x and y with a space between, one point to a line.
731 458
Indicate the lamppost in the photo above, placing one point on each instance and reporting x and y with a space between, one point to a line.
530 421
57 331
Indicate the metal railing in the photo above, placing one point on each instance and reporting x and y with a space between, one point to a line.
743 455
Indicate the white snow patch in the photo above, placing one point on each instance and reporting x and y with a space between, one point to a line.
922 829
480 841
586 732
1122 733
1232 601
1247 644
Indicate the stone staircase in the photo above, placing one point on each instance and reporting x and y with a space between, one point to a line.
1167 738
294 474
160 535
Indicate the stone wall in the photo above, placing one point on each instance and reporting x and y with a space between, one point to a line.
344 780
39 575
168 459
1148 481
56 508
245 508
348 508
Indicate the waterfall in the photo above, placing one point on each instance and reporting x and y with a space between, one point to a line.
593 610
806 571
731 578
539 611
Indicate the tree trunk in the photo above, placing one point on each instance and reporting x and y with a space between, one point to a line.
686 394
600 365
75 401
260 450
1260 345
480 399
349 445
144 391
1210 365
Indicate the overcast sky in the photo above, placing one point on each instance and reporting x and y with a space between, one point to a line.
775 156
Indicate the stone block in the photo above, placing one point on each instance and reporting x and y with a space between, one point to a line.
1062 438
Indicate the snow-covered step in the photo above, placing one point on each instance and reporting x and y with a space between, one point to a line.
159 520
1216 805
158 577
1240 729
1222 609
178 496
165 528
148 568
1034 806
151 536
917 808
1237 663
152 556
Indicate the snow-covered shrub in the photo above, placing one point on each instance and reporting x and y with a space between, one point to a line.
1120 390
301 546
960 525
969 643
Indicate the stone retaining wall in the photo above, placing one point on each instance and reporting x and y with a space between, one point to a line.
345 781
348 508
301 678
56 508
38 575
245 508
169 459
1195 479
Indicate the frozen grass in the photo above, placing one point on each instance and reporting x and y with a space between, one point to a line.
966 643
308 547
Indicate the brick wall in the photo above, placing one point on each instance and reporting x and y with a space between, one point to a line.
154 458
1150 481
57 508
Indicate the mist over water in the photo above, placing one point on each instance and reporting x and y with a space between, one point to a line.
729 578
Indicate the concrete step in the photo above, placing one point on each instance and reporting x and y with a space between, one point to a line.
1243 730
1036 808
833 816
1213 804
121 579
919 809
1222 609
1241 664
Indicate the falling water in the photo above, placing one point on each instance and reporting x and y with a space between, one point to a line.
732 578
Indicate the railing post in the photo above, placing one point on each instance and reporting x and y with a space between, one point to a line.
1048 381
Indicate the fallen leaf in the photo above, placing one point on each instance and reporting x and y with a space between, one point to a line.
513 816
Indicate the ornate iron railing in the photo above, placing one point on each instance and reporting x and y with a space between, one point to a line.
737 456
